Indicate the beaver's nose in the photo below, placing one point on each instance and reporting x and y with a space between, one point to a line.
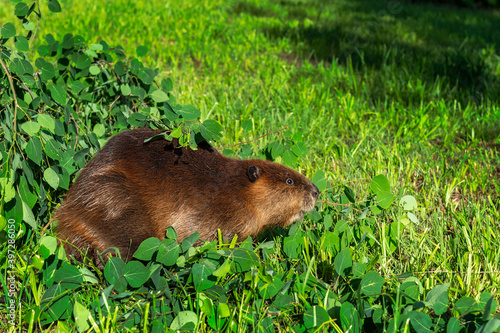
315 192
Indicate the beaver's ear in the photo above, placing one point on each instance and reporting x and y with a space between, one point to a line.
253 172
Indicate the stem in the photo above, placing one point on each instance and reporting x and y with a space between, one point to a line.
39 15
338 204
257 138
16 105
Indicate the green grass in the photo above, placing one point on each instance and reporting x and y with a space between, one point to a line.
413 95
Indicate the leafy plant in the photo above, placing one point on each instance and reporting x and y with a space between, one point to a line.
58 107
62 109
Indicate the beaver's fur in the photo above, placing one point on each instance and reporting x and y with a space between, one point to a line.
133 190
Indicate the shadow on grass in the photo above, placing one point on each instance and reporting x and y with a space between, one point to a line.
450 53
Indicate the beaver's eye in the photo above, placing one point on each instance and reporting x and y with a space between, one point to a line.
289 181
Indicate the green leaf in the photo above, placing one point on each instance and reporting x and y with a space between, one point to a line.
22 9
349 318
300 149
47 121
189 112
185 320
64 179
266 325
99 130
412 217
224 310
315 317
270 288
189 241
125 89
88 276
453 325
159 96
330 243
171 233
53 304
48 71
81 314
372 283
68 42
211 130
394 231
22 44
222 270
142 50
69 277
43 50
76 86
358 269
147 75
384 199
349 194
379 184
8 191
48 246
53 149
491 326
29 26
438 298
147 248
243 260
408 202
58 94
120 52
96 47
114 269
319 179
137 119
201 274
293 245
8 30
136 274
490 304
167 85
28 216
83 61
94 70
54 6
466 305
276 149
50 176
289 158
343 261
120 68
21 67
247 125
30 127
3 222
176 132
168 252
420 321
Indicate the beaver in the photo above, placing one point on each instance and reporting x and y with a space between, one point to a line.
132 190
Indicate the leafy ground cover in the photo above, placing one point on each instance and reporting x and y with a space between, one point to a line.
365 88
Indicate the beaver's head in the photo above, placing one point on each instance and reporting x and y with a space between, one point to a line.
281 194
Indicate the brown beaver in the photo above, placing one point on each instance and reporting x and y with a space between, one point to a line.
132 190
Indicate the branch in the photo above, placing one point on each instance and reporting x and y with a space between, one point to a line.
338 204
16 104
257 138
39 15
